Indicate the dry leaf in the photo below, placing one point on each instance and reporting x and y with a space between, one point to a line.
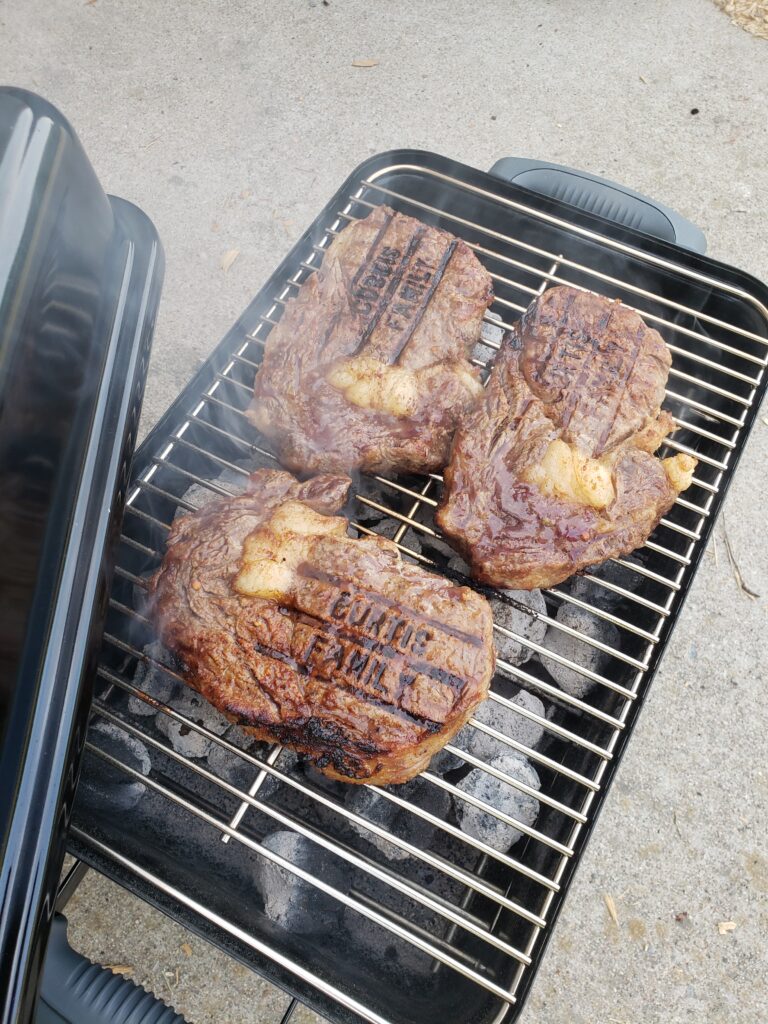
228 259
364 63
750 15
186 949
611 906
171 979
726 926
119 968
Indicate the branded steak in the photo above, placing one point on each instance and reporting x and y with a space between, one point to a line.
308 637
554 469
369 365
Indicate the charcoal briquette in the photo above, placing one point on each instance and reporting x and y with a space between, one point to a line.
503 797
595 594
151 677
506 721
102 785
184 739
290 901
521 621
577 651
369 803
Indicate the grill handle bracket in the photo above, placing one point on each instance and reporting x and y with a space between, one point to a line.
76 991
602 197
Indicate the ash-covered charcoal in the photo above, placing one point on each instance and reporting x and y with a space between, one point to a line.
444 761
387 526
287 763
184 739
227 765
525 624
104 787
412 540
570 679
501 796
370 804
501 718
436 549
457 564
365 514
506 721
151 677
232 481
291 902
599 596
491 336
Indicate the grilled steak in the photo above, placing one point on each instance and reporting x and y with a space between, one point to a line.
369 365
307 637
554 469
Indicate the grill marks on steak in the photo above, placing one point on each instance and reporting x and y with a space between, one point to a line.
331 645
554 470
369 365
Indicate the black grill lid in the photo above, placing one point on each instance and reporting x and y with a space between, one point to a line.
80 279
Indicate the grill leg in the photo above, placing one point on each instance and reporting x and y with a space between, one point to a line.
69 883
289 1011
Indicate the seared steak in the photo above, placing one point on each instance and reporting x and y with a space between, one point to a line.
554 469
307 637
369 365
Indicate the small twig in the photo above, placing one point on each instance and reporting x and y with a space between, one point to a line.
169 976
677 827
611 907
714 546
735 566
119 968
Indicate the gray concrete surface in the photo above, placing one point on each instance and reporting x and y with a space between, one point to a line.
231 124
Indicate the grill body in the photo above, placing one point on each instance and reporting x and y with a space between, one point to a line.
454 924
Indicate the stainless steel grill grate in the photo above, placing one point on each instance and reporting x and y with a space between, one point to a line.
491 909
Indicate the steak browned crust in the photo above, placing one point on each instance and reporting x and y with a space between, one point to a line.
307 637
553 470
369 365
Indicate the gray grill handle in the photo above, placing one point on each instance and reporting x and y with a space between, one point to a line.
76 991
598 195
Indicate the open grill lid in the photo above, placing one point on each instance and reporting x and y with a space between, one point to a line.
80 279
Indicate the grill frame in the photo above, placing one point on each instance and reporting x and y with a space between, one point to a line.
661 255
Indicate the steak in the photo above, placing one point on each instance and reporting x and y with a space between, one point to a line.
554 470
369 366
304 636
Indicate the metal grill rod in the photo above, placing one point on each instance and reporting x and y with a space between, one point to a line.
571 227
388 878
669 324
596 677
423 528
714 413
543 722
367 912
457 873
686 353
262 948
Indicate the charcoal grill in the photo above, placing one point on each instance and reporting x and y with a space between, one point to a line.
454 924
